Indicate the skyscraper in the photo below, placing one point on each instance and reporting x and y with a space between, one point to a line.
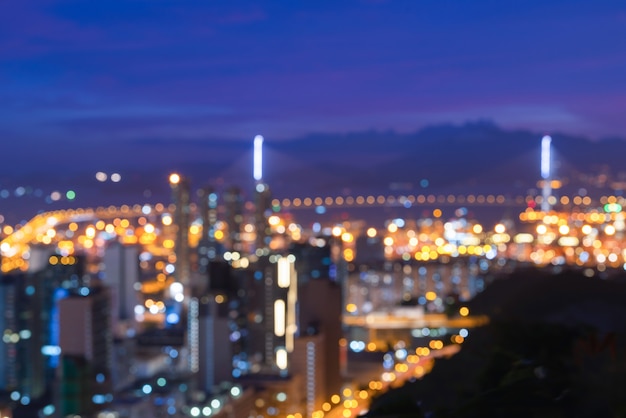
121 264
181 196
86 344
233 202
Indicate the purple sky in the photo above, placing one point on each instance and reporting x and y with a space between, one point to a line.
128 69
77 75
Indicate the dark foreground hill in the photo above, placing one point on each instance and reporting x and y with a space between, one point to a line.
555 347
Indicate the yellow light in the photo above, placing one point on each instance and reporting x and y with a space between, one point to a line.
73 226
388 241
464 311
335 399
477 229
437 213
279 318
392 228
166 220
351 307
8 230
219 299
348 254
541 229
499 228
337 231
149 228
281 358
371 232
219 235
430 295
168 243
273 220
174 178
347 237
326 406
564 229
284 272
347 392
194 229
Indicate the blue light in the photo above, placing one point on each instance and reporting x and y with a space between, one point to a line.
172 318
100 378
147 389
320 210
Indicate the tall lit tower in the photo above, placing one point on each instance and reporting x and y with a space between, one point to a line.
262 195
545 173
181 197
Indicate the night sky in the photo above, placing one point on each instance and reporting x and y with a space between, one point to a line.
84 80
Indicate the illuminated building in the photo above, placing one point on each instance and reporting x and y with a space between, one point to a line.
8 321
233 202
121 271
207 246
214 343
181 195
308 360
320 327
86 344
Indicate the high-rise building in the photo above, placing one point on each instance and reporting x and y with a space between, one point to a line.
233 202
320 314
308 360
121 273
214 345
262 206
181 196
207 246
85 340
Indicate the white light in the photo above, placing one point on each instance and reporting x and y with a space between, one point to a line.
258 157
101 176
176 288
545 156
195 411
279 318
235 391
116 177
215 403
50 350
284 272
281 358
